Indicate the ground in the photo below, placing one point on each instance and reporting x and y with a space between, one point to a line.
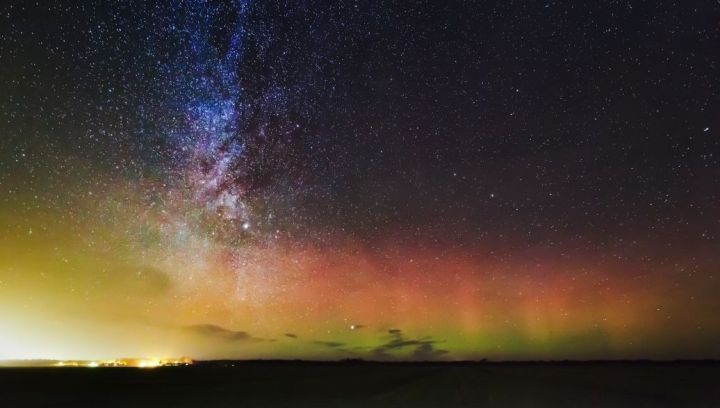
294 384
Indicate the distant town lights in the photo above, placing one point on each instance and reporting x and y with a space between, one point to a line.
128 362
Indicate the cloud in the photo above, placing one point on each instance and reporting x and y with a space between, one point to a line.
335 345
221 333
426 352
331 344
424 347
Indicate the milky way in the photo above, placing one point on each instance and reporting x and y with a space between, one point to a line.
381 180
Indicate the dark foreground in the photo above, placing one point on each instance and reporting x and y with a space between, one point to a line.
291 384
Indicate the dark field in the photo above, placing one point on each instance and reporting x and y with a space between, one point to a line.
367 385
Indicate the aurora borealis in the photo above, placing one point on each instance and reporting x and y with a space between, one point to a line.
383 180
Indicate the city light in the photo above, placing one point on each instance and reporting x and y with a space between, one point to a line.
128 362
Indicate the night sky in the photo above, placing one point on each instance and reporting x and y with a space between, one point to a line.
409 180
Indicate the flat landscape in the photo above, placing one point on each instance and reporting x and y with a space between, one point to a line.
302 384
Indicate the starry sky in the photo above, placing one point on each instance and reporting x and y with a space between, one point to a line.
389 180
